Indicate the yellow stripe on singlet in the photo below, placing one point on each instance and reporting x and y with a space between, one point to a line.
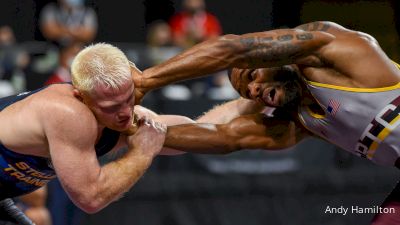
352 89
372 149
381 136
395 63
313 114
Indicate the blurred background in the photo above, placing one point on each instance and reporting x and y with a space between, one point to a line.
38 40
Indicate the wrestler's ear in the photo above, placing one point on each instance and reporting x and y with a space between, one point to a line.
78 94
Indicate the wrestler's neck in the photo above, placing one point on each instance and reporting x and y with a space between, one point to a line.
100 129
306 97
309 101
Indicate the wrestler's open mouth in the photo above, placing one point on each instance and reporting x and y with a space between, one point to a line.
124 120
270 96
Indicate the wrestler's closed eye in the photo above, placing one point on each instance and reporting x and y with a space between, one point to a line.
111 109
248 94
250 75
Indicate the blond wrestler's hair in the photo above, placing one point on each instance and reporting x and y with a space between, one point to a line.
100 63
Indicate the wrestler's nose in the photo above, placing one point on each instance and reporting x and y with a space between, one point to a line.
125 111
254 88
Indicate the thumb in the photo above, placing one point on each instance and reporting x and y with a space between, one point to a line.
133 127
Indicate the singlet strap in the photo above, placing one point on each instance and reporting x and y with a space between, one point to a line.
108 140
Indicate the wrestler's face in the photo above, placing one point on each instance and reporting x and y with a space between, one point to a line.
275 87
113 108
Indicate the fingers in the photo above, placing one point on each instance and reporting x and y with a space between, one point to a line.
142 120
160 126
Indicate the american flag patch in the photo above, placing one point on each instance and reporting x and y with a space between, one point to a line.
333 107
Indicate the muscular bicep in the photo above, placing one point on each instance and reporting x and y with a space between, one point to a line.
71 146
258 131
74 163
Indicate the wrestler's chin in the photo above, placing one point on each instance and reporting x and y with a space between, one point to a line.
130 129
122 126
126 124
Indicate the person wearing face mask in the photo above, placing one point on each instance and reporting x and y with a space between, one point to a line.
193 24
68 21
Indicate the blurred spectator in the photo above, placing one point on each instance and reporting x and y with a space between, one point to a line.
6 36
13 61
159 43
189 27
159 34
66 55
193 24
68 21
160 47
220 87
34 206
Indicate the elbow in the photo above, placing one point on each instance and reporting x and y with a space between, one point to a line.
90 202
91 207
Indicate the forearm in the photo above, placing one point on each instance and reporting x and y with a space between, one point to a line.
230 110
253 50
112 181
245 132
201 60
117 177
199 138
129 170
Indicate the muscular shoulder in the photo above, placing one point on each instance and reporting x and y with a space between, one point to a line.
346 42
60 110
